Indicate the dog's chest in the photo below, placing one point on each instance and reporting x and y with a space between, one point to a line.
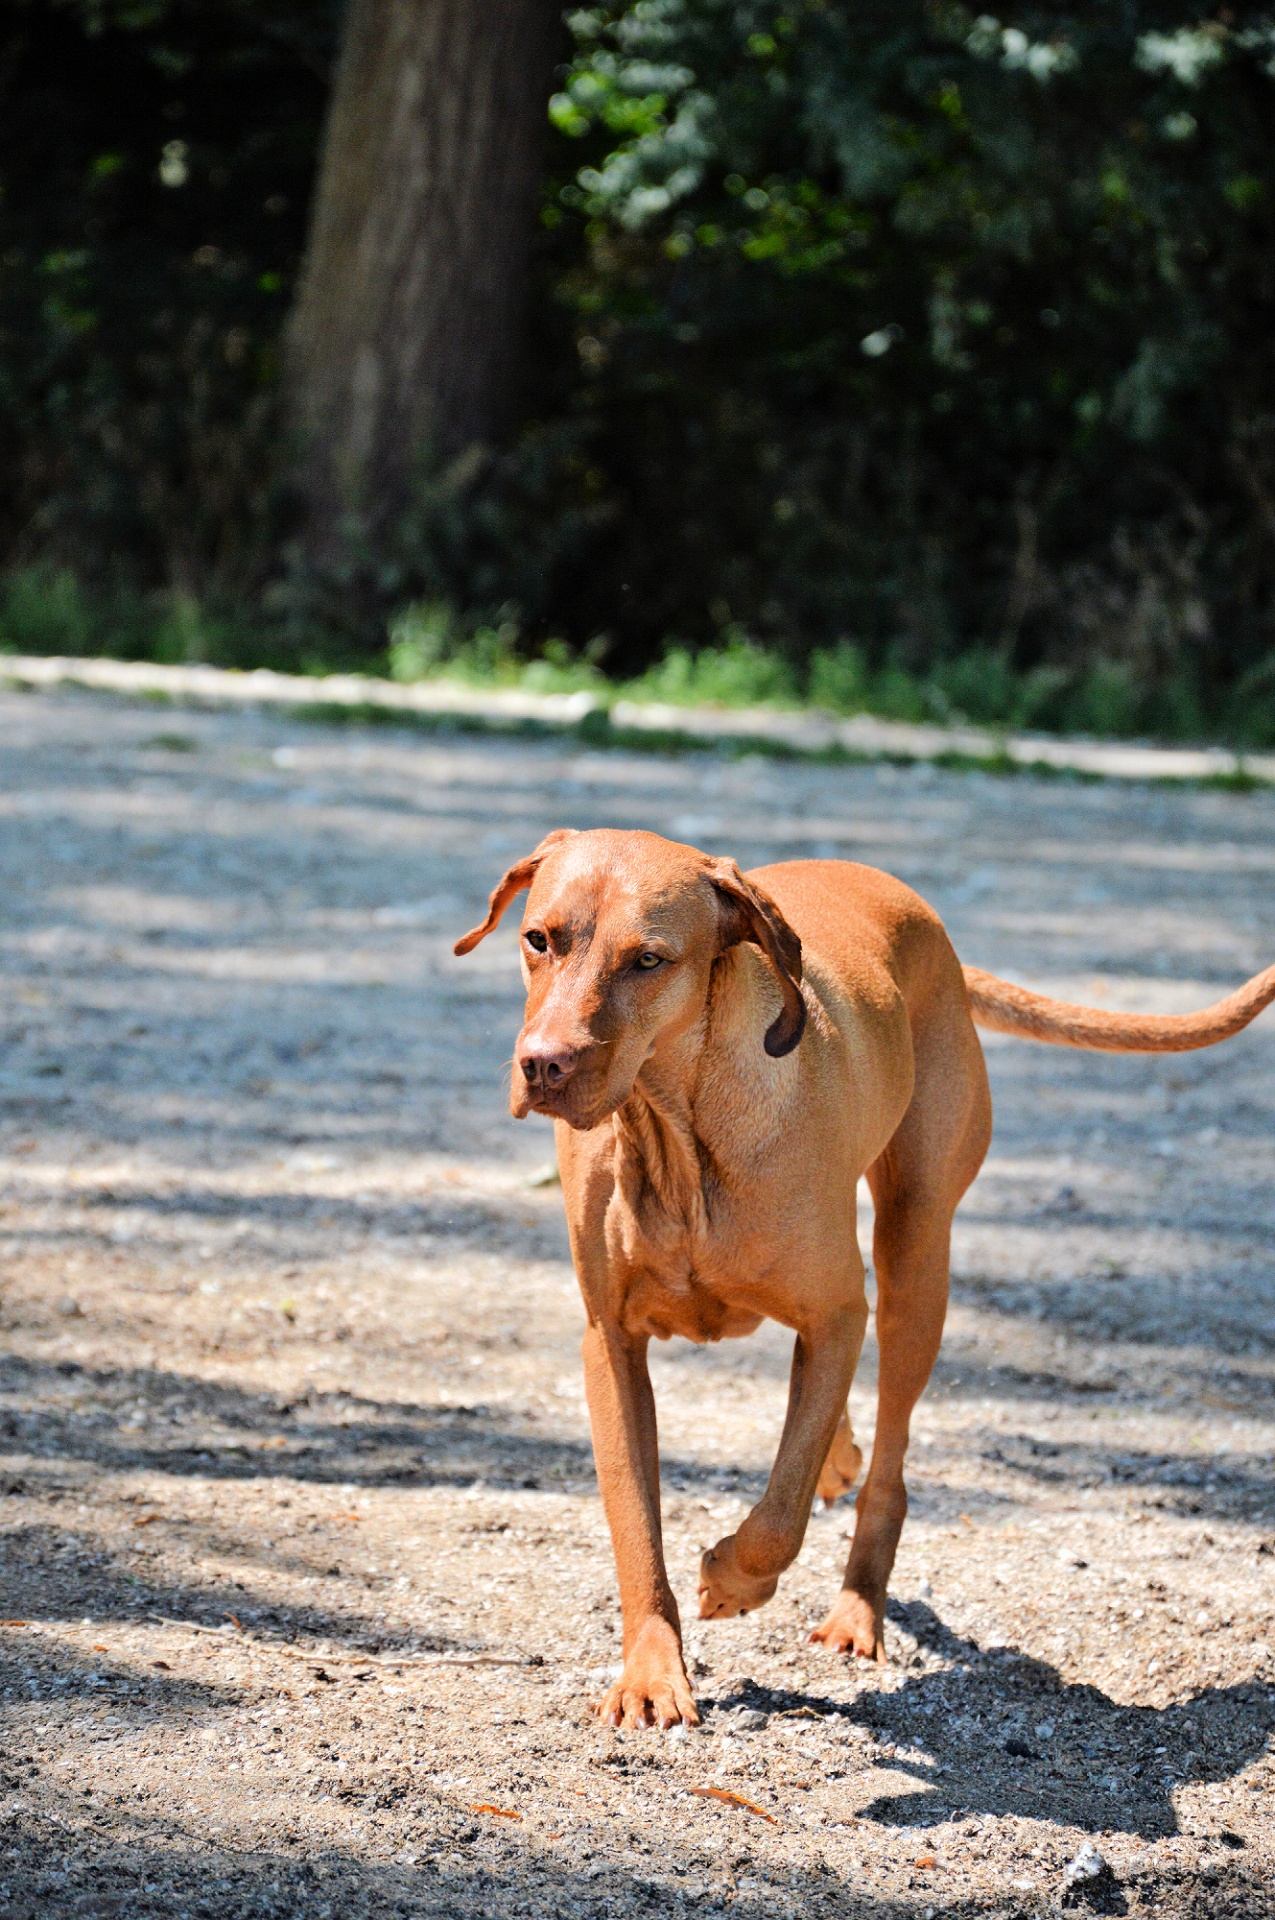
682 1248
675 1269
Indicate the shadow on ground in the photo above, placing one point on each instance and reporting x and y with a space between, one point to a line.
149 1860
164 1875
142 1419
322 1438
1001 1733
497 1220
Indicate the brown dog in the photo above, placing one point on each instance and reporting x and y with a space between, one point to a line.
724 1054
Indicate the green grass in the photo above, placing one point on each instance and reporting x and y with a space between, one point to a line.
171 743
1101 698
47 610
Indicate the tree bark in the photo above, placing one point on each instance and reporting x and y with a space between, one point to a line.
402 344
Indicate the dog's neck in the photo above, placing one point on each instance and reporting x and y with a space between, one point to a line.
670 1144
659 1156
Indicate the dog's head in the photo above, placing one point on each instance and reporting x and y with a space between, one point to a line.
618 942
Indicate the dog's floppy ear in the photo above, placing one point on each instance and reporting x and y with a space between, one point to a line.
512 884
749 914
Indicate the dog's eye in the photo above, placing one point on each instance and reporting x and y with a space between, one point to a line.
536 941
647 961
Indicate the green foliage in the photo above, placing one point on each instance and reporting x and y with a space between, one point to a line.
43 610
898 356
738 674
428 641
155 168
422 641
906 334
984 688
52 610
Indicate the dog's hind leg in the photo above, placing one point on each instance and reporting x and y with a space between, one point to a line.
841 1469
916 1184
911 1255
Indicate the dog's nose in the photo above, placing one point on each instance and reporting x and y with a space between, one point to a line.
547 1067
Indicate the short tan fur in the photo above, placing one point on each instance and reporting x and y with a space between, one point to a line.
723 1055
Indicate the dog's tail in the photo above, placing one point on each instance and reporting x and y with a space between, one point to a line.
1033 1016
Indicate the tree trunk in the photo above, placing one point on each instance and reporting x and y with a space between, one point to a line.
402 344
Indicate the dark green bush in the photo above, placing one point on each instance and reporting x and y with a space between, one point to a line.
895 354
155 167
933 335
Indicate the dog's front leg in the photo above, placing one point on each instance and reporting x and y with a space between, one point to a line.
742 1571
653 1688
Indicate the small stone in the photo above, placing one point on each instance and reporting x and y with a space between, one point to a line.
848 1731
68 1308
750 1720
1088 1864
1088 1880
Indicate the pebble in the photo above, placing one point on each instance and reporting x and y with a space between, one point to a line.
749 1720
1087 1878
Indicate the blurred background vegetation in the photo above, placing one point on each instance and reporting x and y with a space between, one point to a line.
894 356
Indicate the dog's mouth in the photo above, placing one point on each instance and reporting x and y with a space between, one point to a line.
553 1105
580 1108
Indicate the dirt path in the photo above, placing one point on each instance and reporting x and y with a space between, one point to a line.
290 1341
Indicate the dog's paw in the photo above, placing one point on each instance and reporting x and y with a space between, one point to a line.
653 1690
725 1589
839 1473
854 1625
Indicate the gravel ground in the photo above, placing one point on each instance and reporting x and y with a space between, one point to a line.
306 1582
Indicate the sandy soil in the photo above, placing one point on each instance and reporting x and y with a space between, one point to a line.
304 1571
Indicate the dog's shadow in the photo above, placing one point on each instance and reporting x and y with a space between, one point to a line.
1001 1732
